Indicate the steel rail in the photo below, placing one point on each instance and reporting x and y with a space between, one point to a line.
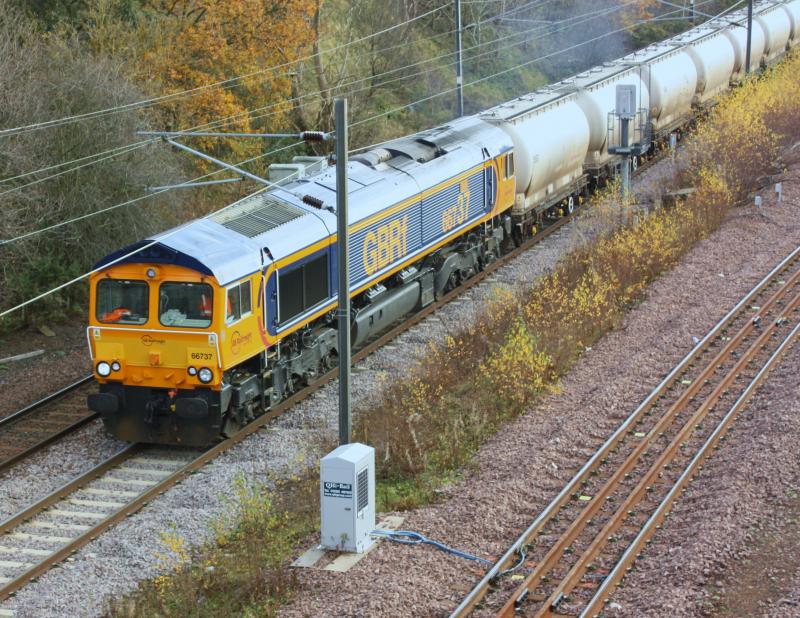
632 552
44 401
412 320
510 557
10 422
634 457
367 349
635 496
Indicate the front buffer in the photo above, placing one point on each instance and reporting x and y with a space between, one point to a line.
191 417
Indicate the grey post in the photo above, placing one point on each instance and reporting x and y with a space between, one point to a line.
342 241
749 35
626 111
459 72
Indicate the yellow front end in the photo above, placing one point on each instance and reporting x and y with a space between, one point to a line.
155 343
154 336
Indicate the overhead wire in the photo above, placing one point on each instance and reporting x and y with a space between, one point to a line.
125 149
356 123
226 82
583 17
515 67
138 199
135 251
113 153
270 184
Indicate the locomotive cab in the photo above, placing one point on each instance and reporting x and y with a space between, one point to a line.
160 336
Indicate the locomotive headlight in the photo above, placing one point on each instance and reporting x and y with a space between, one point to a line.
191 371
103 369
116 366
205 375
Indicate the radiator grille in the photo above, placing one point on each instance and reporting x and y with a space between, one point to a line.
363 489
266 215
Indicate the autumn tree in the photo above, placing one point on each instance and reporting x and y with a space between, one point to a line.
46 78
211 41
650 20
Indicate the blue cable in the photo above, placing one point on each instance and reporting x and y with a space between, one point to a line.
406 537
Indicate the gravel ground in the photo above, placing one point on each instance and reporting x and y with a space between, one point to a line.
524 466
114 563
65 360
743 561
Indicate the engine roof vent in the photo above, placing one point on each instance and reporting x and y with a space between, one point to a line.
261 214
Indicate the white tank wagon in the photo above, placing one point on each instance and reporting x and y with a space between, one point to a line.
777 24
671 76
737 35
551 138
714 59
793 8
597 97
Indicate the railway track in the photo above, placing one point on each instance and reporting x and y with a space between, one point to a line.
37 425
26 431
43 534
580 546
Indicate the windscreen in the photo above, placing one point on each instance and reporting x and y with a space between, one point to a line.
122 301
186 305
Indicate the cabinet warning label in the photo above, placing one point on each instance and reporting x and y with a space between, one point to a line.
337 490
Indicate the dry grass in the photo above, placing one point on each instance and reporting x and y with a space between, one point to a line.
243 570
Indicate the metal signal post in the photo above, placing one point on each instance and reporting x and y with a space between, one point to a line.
749 35
342 242
459 72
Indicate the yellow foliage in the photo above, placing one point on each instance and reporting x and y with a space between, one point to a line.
176 557
517 370
493 368
211 41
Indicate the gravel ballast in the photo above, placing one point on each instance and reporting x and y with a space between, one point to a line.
115 562
516 473
64 360
731 540
519 470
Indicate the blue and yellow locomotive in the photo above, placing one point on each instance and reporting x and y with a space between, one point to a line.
198 330
209 324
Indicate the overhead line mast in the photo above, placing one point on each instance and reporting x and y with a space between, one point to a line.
459 68
749 35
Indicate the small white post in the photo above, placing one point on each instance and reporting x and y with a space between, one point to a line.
778 192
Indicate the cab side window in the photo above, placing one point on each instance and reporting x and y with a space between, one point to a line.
509 165
239 303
